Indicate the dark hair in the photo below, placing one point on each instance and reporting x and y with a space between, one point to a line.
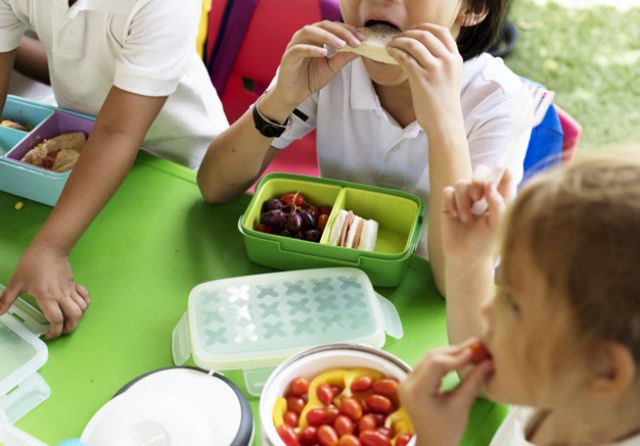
476 39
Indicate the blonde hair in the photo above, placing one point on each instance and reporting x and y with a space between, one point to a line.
581 226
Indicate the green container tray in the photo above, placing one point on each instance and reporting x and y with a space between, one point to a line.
399 215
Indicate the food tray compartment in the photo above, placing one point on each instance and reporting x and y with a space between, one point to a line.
56 124
9 138
397 217
24 112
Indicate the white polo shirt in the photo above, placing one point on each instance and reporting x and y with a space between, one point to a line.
513 430
145 47
357 140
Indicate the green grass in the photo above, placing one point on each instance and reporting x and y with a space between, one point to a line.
591 59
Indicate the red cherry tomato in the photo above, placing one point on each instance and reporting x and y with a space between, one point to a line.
325 394
263 228
349 440
374 438
331 414
403 439
287 435
322 222
292 197
361 384
379 403
337 390
324 210
386 387
367 423
309 436
387 432
295 404
299 386
479 352
351 408
327 436
315 417
379 418
291 418
343 425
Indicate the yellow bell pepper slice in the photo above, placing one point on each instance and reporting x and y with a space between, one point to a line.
279 409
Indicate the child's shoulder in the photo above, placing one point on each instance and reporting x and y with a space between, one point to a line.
489 74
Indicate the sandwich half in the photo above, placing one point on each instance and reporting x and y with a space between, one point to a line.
352 231
375 44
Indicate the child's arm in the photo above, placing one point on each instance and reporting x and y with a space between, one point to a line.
31 60
44 269
240 154
6 64
471 245
429 55
440 417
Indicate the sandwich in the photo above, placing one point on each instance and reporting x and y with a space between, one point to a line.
58 154
375 44
352 231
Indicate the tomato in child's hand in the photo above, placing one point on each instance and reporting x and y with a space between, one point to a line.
379 403
292 197
343 425
325 394
299 386
327 436
479 352
386 387
403 439
374 438
287 435
291 418
309 436
349 440
361 384
295 404
351 408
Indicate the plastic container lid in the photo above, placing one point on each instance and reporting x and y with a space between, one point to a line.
22 353
12 436
173 406
254 322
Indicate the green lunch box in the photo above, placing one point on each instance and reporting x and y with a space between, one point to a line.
399 215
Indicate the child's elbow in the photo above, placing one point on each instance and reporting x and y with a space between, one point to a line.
215 193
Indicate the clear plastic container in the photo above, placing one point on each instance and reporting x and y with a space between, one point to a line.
254 322
22 353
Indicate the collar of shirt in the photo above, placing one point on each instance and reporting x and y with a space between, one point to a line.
122 6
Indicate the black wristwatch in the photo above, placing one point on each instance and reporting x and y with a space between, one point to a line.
265 126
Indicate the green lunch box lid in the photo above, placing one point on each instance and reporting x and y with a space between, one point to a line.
254 322
22 353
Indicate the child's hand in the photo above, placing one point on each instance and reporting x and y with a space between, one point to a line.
429 56
305 67
48 277
440 417
467 238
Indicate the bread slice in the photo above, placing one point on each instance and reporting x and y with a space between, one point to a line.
375 44
73 141
65 160
369 236
59 153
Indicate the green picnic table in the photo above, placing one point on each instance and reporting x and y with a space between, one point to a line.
155 241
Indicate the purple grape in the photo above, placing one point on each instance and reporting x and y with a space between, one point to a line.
294 222
272 204
274 218
313 235
308 222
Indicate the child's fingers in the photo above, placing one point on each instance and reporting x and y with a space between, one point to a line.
437 364
504 186
80 302
72 314
84 293
442 33
53 313
9 295
497 205
406 62
347 33
415 50
463 200
449 202
433 45
469 388
302 51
